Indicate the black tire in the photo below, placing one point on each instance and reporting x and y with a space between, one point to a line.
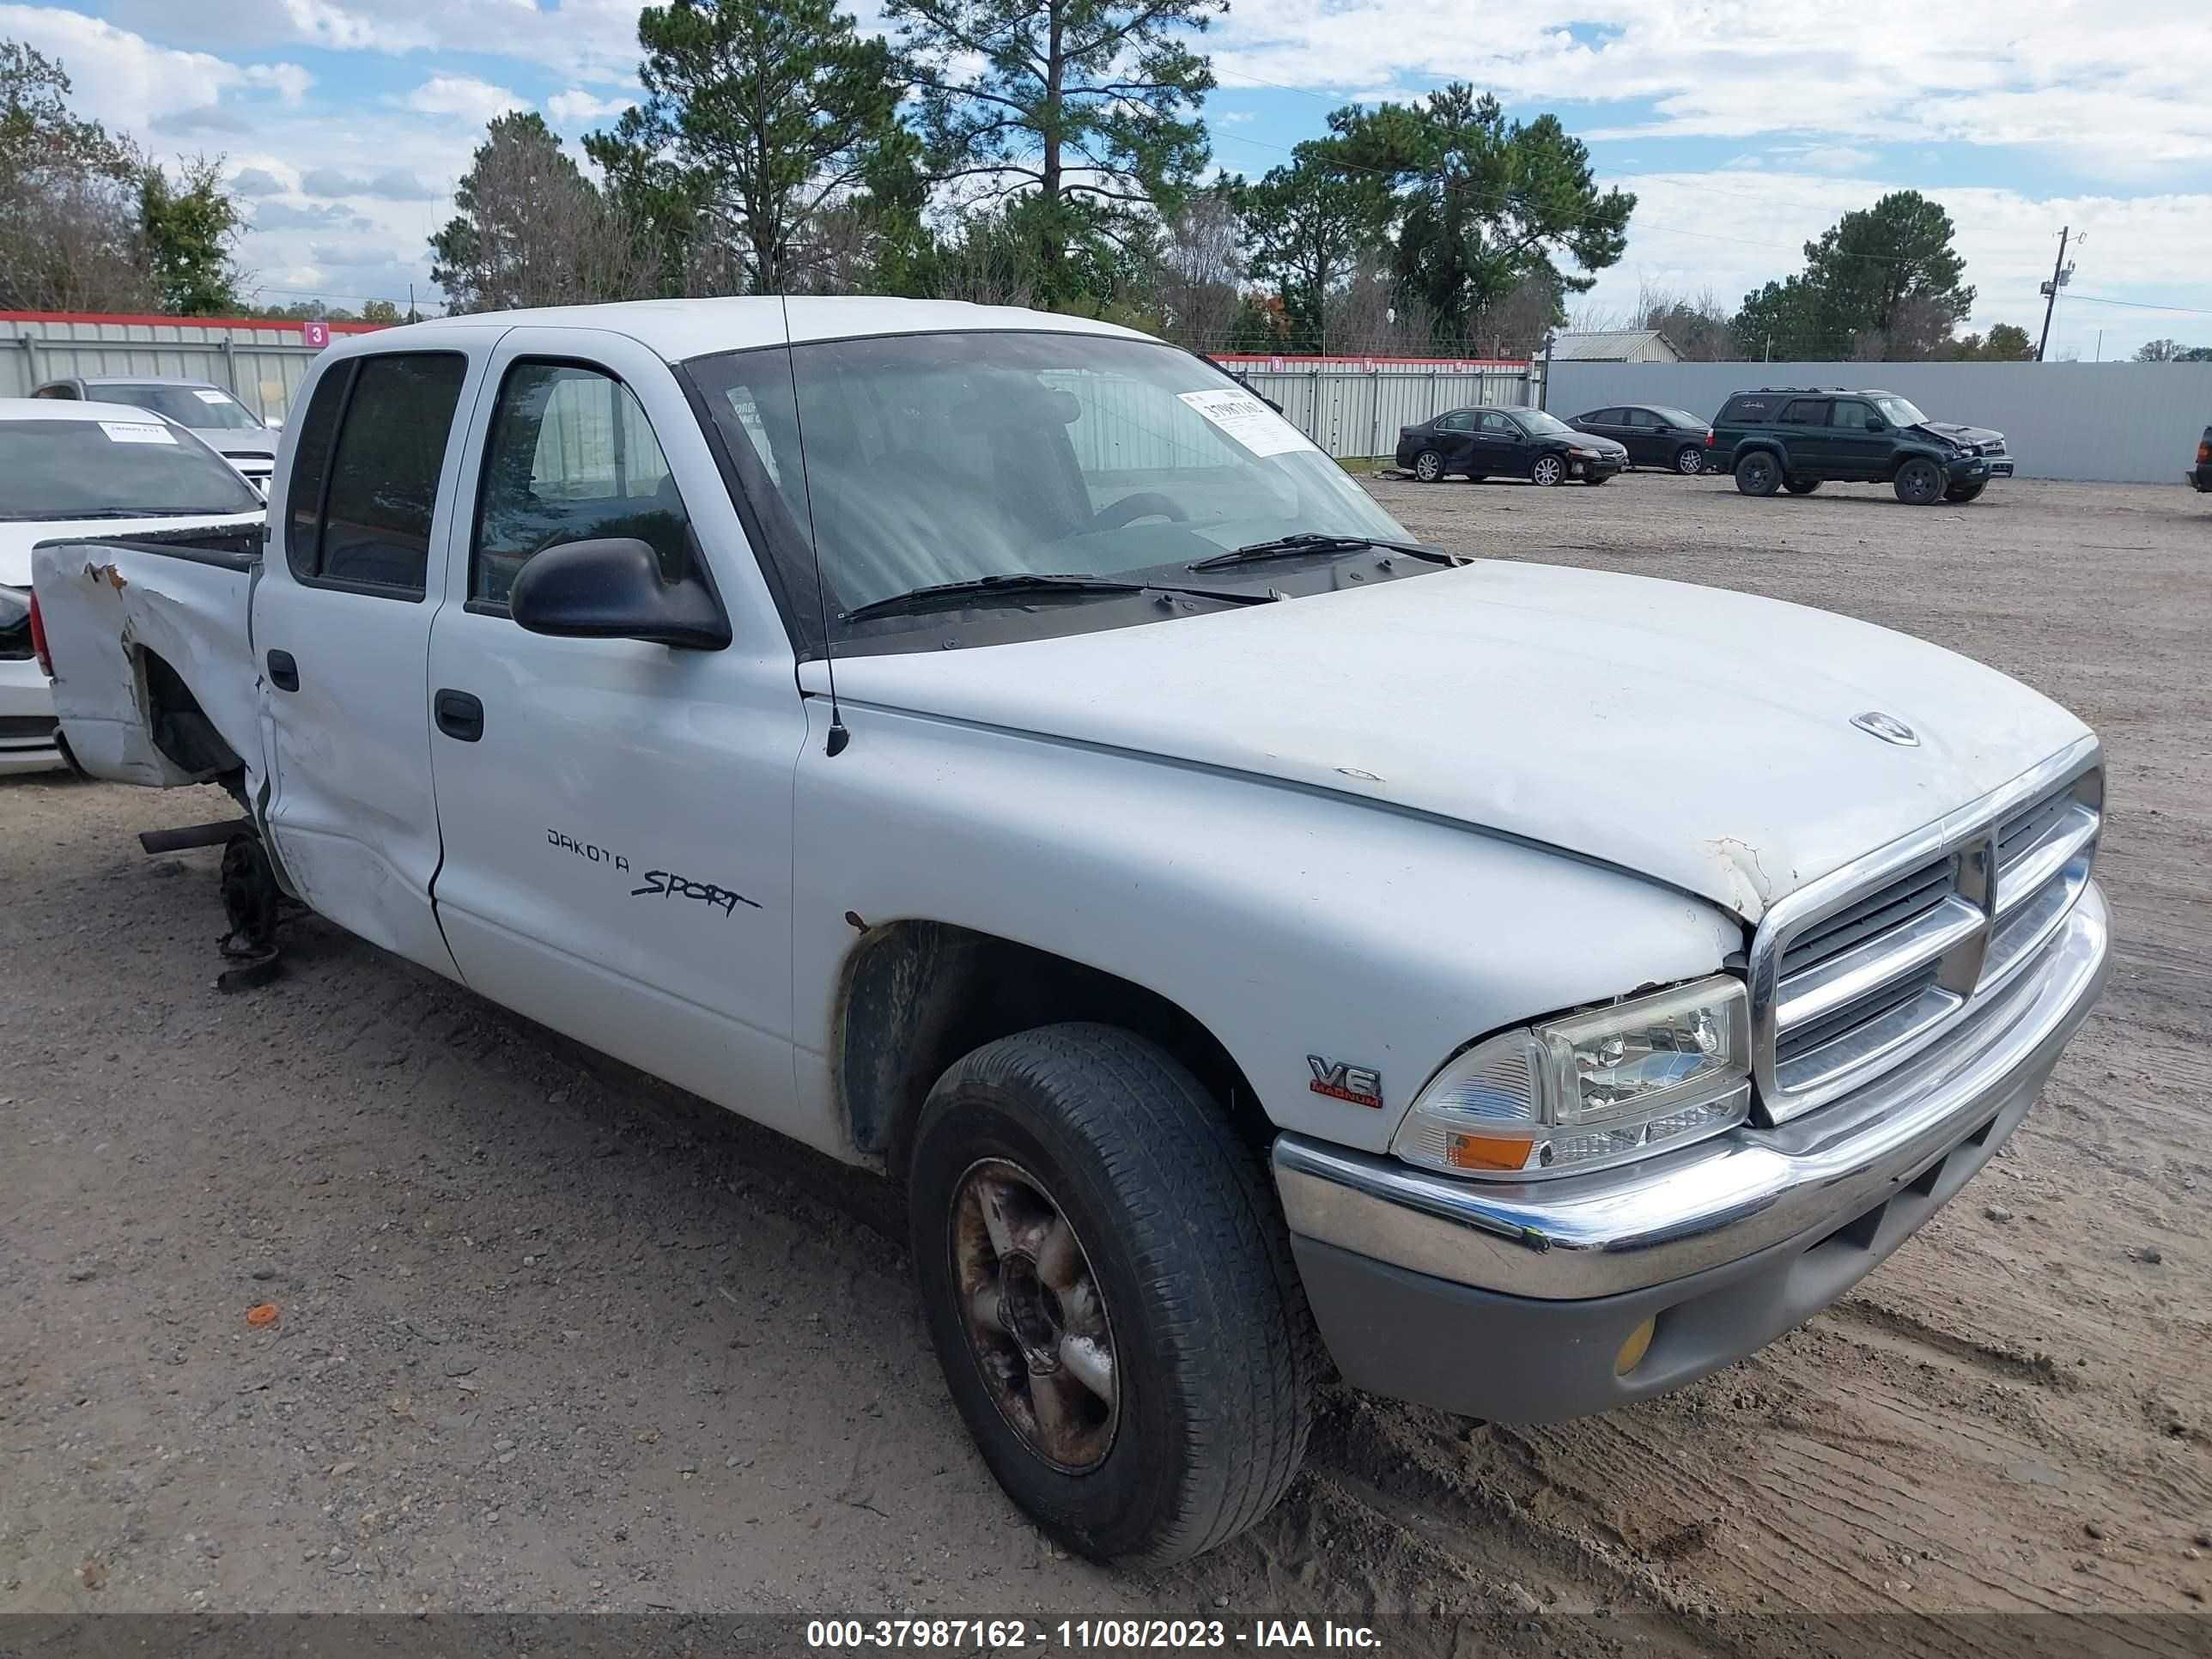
1690 460
1919 483
1597 478
1209 1342
1801 486
1964 493
1428 466
1758 473
1547 470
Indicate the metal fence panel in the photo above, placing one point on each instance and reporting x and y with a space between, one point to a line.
262 366
2095 423
1353 411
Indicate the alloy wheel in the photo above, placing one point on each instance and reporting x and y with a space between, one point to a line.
1035 1316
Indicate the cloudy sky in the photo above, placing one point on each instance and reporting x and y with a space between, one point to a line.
1744 127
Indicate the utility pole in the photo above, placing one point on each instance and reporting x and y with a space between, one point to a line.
2058 276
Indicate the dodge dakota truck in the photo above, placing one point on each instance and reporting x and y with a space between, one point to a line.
997 749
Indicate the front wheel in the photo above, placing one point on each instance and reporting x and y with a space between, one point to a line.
1109 1290
1919 483
1689 460
1758 473
1547 471
1964 493
1428 466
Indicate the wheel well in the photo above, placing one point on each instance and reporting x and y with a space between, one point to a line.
1756 446
917 995
180 728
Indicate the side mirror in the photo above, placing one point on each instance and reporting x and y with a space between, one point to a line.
1875 423
610 589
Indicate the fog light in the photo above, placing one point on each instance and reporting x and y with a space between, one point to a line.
1633 1351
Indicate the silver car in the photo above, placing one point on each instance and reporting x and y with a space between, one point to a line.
206 410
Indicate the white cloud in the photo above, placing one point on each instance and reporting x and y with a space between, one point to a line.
1831 158
1730 233
575 108
128 82
464 96
2056 75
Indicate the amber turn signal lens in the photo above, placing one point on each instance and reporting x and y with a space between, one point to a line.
1633 1351
1466 1151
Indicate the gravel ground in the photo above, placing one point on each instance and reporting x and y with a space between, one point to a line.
550 1336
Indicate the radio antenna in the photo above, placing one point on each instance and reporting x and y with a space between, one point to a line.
839 736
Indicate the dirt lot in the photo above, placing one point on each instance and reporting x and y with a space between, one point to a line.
554 1337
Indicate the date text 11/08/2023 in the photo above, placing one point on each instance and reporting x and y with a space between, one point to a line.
1088 1635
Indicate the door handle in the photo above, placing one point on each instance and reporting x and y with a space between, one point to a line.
284 672
460 715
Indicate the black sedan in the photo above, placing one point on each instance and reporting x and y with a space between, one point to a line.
1508 443
1653 435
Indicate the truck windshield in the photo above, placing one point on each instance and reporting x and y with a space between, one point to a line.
201 406
1899 411
947 457
62 470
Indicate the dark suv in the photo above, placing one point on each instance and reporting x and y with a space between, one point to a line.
1798 438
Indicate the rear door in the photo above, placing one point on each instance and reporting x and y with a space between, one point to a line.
342 634
1454 439
616 814
1802 427
1645 436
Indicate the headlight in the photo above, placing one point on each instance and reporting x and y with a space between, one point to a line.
1592 1089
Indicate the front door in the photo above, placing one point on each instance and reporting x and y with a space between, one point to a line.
1499 444
342 631
1855 451
616 813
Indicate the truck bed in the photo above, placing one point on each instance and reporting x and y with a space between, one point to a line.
152 657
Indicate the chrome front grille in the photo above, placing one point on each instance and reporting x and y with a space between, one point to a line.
1871 964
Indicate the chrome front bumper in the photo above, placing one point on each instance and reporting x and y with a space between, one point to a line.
1655 1223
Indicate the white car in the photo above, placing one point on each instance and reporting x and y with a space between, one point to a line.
997 749
80 469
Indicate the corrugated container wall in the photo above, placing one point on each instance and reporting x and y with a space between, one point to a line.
2096 423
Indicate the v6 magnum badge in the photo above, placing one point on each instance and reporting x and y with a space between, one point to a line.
1360 1085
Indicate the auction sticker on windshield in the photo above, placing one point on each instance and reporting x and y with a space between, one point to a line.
1248 420
124 432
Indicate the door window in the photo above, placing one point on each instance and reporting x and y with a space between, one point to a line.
1610 418
371 529
1498 427
1644 420
1851 414
571 458
1805 411
1459 421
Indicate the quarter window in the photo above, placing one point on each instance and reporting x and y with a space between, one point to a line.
572 458
372 529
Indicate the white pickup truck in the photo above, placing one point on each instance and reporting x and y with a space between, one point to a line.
997 749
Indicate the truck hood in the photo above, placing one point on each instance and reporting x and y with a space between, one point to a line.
19 537
1698 737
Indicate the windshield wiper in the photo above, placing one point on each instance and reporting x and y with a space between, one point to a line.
1012 583
1307 540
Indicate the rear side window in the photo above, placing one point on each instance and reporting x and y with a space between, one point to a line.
1749 409
310 460
572 458
373 533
